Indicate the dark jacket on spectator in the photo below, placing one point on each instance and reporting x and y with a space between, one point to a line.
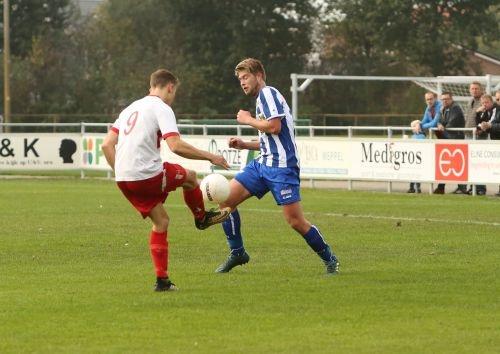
453 117
487 116
495 124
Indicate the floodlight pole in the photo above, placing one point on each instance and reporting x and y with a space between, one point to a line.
6 64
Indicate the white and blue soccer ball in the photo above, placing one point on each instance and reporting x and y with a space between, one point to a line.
215 188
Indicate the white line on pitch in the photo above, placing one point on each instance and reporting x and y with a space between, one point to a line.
367 216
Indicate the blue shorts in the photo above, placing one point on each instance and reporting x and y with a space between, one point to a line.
283 182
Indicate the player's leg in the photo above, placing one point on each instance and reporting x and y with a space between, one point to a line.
158 244
232 227
177 176
295 218
243 186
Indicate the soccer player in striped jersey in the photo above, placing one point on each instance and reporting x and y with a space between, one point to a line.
276 169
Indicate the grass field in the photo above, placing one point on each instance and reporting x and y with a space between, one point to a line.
419 274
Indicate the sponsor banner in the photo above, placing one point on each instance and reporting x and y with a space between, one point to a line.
91 156
39 151
237 159
484 163
328 158
452 162
400 160
320 157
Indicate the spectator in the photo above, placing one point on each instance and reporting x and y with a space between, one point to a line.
432 113
485 114
488 119
497 99
476 91
417 134
452 117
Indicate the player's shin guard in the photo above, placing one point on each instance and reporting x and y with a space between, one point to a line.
194 200
158 245
315 240
232 229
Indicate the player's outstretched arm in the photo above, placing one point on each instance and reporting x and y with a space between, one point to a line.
188 151
237 143
109 148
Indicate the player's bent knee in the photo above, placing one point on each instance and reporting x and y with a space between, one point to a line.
161 225
191 180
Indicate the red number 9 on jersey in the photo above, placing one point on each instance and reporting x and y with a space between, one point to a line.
131 122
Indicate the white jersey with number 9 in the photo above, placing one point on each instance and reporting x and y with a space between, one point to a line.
140 128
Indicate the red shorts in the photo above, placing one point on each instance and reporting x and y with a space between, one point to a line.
146 194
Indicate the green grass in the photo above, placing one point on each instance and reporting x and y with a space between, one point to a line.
76 277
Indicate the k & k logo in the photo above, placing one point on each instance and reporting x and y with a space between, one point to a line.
452 162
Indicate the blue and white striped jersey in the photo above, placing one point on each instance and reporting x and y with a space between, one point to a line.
276 150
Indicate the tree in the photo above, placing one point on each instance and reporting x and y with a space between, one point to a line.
201 41
30 19
422 37
399 38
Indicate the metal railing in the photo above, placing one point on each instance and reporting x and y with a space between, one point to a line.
208 129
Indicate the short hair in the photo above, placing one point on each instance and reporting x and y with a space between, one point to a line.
251 65
476 83
414 122
432 93
448 93
161 78
487 97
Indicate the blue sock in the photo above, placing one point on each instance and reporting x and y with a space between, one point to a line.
315 240
232 229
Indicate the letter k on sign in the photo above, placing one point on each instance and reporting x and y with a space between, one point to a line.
452 162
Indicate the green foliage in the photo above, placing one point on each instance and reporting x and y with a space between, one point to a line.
98 64
422 37
77 276
30 19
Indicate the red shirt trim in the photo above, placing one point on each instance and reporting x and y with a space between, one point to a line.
115 130
164 136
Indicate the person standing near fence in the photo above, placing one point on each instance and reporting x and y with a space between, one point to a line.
432 112
474 103
417 134
452 117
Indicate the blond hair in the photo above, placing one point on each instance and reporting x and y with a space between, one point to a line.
253 66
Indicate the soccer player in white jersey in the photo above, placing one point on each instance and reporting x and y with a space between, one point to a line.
276 169
132 149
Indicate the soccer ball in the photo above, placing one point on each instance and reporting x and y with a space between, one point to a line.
215 188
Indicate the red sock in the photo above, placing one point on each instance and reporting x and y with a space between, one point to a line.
194 200
159 252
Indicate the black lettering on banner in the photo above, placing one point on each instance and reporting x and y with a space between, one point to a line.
29 147
4 149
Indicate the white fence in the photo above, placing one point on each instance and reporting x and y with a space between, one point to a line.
393 158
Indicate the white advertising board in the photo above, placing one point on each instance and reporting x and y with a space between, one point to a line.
39 151
456 161
395 160
237 159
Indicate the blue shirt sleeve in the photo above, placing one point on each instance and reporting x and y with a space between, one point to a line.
428 121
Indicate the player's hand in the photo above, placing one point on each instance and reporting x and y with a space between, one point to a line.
236 143
220 161
244 117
